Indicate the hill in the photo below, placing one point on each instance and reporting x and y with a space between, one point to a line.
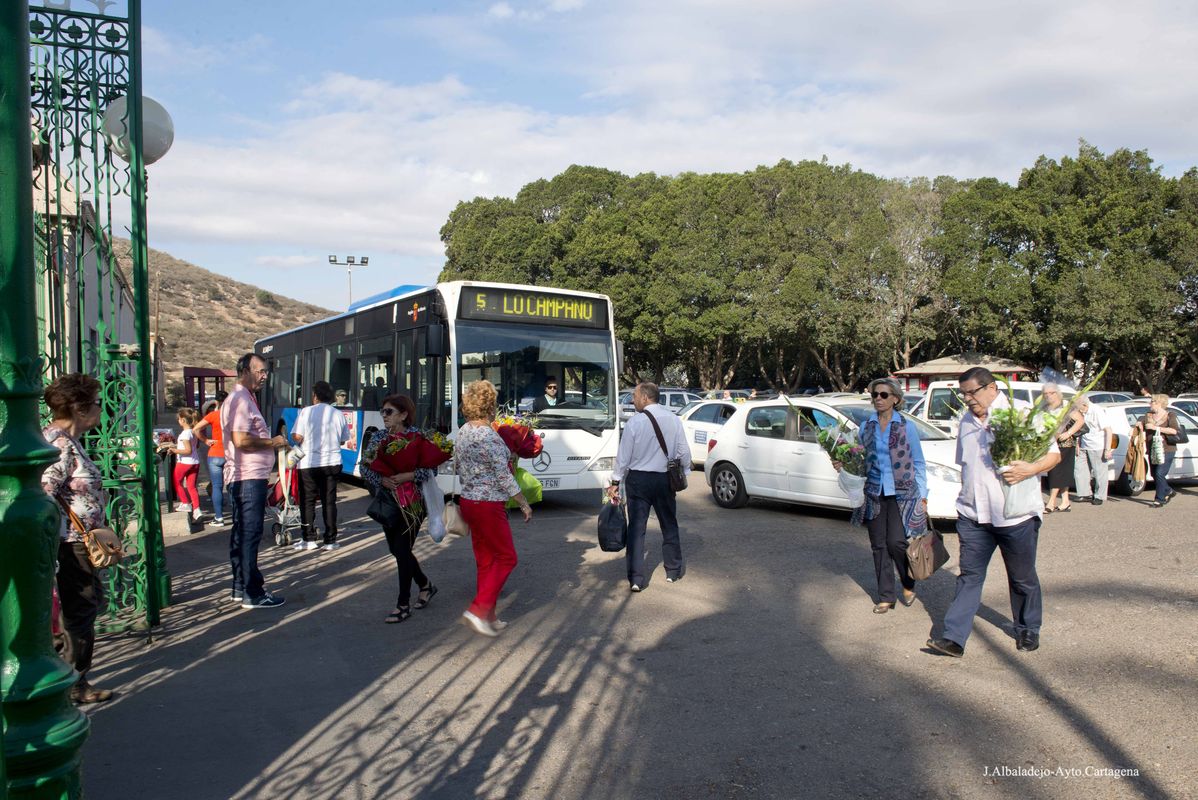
208 320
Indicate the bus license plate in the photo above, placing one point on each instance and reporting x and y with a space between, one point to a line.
549 483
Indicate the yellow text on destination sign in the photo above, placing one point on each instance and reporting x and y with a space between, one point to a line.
541 306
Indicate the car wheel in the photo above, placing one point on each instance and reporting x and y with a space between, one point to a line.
1126 486
728 487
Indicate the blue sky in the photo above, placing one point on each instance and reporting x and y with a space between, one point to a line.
309 128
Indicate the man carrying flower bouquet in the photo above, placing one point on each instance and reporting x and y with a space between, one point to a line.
982 525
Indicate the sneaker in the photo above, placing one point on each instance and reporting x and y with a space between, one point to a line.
479 624
305 546
267 600
636 587
331 546
218 520
197 514
237 597
183 507
498 624
674 580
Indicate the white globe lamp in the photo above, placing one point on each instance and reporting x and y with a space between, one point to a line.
157 129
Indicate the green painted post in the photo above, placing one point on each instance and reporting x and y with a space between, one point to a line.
43 731
158 579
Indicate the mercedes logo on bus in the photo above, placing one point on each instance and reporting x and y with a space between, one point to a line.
542 461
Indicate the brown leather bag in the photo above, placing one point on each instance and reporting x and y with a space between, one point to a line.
103 545
925 554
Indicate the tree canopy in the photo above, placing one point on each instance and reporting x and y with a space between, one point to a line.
810 272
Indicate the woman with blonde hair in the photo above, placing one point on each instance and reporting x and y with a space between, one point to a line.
1160 425
481 462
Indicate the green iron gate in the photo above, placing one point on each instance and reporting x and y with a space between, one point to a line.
93 291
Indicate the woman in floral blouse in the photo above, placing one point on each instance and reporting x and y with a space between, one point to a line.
76 480
481 460
398 412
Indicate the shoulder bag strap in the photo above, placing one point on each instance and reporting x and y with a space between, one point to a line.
661 440
76 523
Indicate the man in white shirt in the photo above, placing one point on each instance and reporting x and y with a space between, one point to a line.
640 472
321 430
1093 454
982 525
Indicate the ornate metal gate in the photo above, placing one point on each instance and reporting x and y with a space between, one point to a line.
93 305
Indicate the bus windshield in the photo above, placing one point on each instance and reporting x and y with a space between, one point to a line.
521 359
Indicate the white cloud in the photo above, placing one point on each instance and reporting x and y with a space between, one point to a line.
501 11
288 262
925 88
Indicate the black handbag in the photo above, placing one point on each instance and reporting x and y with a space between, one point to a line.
1181 437
384 509
613 528
675 474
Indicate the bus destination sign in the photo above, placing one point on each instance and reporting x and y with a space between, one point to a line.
521 305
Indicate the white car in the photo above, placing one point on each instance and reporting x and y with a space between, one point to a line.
702 421
673 399
942 405
765 450
1121 417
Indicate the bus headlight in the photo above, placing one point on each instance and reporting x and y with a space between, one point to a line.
602 464
946 474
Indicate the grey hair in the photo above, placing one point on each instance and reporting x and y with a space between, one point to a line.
891 384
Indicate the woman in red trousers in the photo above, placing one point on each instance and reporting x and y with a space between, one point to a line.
482 465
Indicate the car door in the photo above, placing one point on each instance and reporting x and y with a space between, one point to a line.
813 479
699 424
944 408
1185 461
766 454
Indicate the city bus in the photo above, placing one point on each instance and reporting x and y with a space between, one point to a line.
430 341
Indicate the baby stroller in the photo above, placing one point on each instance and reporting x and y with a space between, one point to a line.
284 503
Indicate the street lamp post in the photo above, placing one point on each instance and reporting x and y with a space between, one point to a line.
349 263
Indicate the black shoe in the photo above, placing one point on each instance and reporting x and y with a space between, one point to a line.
1168 497
1087 499
1027 641
1097 502
947 647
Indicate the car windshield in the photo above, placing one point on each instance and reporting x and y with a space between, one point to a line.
859 412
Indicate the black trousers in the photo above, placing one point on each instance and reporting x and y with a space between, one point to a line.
400 541
80 594
319 483
888 539
645 491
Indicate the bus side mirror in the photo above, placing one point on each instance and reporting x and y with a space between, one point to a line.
434 341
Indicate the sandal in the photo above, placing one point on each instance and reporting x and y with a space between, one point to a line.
882 608
425 596
398 615
1049 509
1063 509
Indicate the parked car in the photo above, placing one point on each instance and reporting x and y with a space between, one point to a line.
702 420
1121 417
765 450
735 394
1188 405
1111 397
942 406
673 399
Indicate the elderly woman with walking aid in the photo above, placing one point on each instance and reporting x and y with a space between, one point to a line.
896 491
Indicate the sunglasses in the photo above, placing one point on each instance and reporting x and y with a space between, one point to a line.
553 388
386 412
883 395
971 392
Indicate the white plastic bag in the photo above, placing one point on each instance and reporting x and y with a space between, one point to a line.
434 504
1022 498
853 487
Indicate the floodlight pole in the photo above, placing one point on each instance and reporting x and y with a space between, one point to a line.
349 263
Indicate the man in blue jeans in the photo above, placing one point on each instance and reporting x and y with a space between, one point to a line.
249 458
982 525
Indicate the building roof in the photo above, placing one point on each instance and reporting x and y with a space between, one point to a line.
963 361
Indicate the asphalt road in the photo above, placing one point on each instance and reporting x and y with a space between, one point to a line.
763 674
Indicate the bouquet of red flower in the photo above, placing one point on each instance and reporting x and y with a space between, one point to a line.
405 452
517 433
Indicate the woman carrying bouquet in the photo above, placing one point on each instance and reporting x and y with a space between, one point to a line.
482 460
896 490
398 411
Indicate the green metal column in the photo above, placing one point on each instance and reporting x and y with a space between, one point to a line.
158 579
43 731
